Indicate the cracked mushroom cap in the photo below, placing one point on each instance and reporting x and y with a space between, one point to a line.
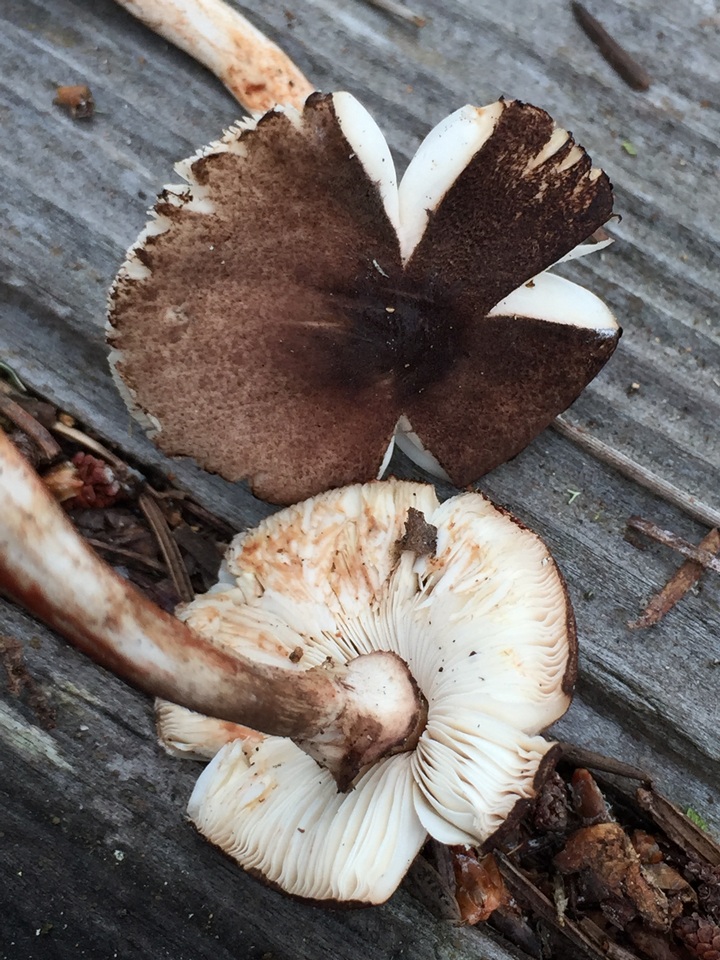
313 309
468 597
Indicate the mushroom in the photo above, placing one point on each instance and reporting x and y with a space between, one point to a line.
346 716
254 69
316 312
465 595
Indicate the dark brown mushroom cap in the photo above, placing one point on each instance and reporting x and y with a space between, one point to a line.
286 308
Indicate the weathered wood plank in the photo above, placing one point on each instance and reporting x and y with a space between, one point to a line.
74 197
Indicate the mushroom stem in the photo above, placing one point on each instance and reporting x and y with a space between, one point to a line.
345 717
257 73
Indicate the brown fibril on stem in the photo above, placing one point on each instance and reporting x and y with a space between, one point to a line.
689 504
256 71
677 586
345 717
619 59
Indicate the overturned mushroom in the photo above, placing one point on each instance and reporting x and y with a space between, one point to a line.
315 311
346 716
461 592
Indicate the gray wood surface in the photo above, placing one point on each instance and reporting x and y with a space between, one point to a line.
95 857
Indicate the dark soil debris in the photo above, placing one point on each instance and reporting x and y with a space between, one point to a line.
590 872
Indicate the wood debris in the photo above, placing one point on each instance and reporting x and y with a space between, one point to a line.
594 869
20 682
634 75
77 99
677 586
27 423
161 540
668 539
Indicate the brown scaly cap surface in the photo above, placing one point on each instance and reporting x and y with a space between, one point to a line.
285 309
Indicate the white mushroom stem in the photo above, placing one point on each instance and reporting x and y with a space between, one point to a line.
345 717
254 69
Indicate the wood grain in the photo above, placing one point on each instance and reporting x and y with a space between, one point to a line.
96 859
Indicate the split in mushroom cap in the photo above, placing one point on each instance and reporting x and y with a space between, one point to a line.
478 611
291 306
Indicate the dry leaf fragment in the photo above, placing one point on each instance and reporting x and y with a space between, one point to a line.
479 887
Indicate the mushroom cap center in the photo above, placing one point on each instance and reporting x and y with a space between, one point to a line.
407 331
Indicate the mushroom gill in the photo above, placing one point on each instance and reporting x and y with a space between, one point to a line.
470 600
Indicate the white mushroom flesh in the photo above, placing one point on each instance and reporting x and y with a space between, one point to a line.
557 300
271 808
484 625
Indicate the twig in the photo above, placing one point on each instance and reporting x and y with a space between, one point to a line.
400 11
41 437
676 587
669 539
189 505
619 59
124 553
257 73
169 549
72 433
629 468
528 894
582 757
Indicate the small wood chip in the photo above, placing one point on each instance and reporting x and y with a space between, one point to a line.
677 586
588 800
620 60
77 99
